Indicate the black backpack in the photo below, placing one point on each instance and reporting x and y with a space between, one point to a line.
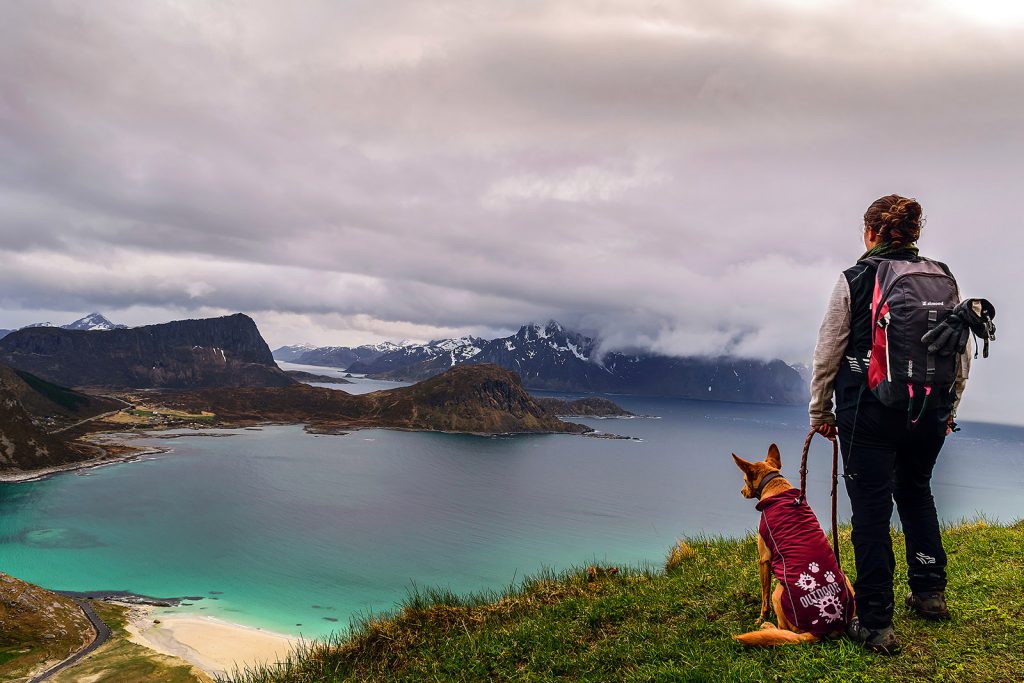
911 298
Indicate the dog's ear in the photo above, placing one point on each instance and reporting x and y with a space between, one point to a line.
774 458
747 467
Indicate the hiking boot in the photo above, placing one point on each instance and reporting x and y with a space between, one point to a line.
880 640
929 605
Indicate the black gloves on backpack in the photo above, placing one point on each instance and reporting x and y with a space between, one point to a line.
971 316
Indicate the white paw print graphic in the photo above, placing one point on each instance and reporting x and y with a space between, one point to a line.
806 582
830 608
830 577
813 566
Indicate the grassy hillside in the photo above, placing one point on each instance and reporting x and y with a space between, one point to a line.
675 625
37 628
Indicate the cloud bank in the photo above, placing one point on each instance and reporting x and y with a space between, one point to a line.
684 177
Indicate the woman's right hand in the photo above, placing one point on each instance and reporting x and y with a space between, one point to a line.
826 430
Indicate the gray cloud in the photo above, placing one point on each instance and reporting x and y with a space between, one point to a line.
685 178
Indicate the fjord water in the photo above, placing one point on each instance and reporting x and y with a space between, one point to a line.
288 531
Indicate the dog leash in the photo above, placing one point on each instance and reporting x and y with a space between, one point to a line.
835 479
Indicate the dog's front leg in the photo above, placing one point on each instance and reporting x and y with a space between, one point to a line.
764 566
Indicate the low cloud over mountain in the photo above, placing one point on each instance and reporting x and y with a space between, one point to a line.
684 178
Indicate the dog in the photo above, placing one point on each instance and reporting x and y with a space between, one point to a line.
814 599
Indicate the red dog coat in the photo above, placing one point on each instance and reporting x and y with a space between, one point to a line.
815 598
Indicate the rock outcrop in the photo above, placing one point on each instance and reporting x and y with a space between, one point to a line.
591 406
227 351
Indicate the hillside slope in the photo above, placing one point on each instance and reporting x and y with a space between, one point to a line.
37 628
24 444
677 626
478 399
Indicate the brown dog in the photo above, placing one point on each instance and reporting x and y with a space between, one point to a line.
814 599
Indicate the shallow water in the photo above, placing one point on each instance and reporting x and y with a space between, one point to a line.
276 527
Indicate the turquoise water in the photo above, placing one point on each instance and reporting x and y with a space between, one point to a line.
277 528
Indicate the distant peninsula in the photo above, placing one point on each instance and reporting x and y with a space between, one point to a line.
476 399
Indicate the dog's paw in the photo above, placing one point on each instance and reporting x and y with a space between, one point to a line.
767 626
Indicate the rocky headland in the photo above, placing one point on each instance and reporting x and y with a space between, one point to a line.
221 352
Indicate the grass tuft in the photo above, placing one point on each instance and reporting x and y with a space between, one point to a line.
680 553
637 624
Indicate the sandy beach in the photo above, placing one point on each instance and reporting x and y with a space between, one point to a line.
213 645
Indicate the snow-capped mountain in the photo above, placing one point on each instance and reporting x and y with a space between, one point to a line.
419 361
94 322
336 356
551 357
291 354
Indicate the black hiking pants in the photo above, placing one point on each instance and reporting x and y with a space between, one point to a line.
885 462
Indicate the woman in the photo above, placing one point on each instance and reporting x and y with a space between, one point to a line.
884 459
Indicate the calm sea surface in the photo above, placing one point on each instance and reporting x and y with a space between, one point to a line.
293 532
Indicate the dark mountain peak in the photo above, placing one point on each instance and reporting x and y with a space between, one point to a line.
553 336
537 331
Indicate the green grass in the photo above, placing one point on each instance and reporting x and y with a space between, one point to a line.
652 625
140 413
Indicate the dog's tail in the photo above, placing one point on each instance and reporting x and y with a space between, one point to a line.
770 637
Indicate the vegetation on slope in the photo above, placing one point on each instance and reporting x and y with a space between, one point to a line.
676 625
37 628
478 399
119 660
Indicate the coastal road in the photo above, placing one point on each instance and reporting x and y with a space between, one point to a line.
125 404
102 634
82 422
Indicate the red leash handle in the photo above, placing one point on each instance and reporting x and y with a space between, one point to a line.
835 480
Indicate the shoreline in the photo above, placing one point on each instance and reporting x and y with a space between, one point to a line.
121 439
22 477
214 645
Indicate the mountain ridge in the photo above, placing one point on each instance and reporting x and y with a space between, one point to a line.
551 357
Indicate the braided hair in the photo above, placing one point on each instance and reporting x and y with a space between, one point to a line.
897 220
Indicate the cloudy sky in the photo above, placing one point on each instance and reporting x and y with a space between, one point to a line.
683 176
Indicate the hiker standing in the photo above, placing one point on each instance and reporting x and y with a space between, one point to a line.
888 451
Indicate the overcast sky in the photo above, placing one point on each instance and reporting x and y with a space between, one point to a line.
683 176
